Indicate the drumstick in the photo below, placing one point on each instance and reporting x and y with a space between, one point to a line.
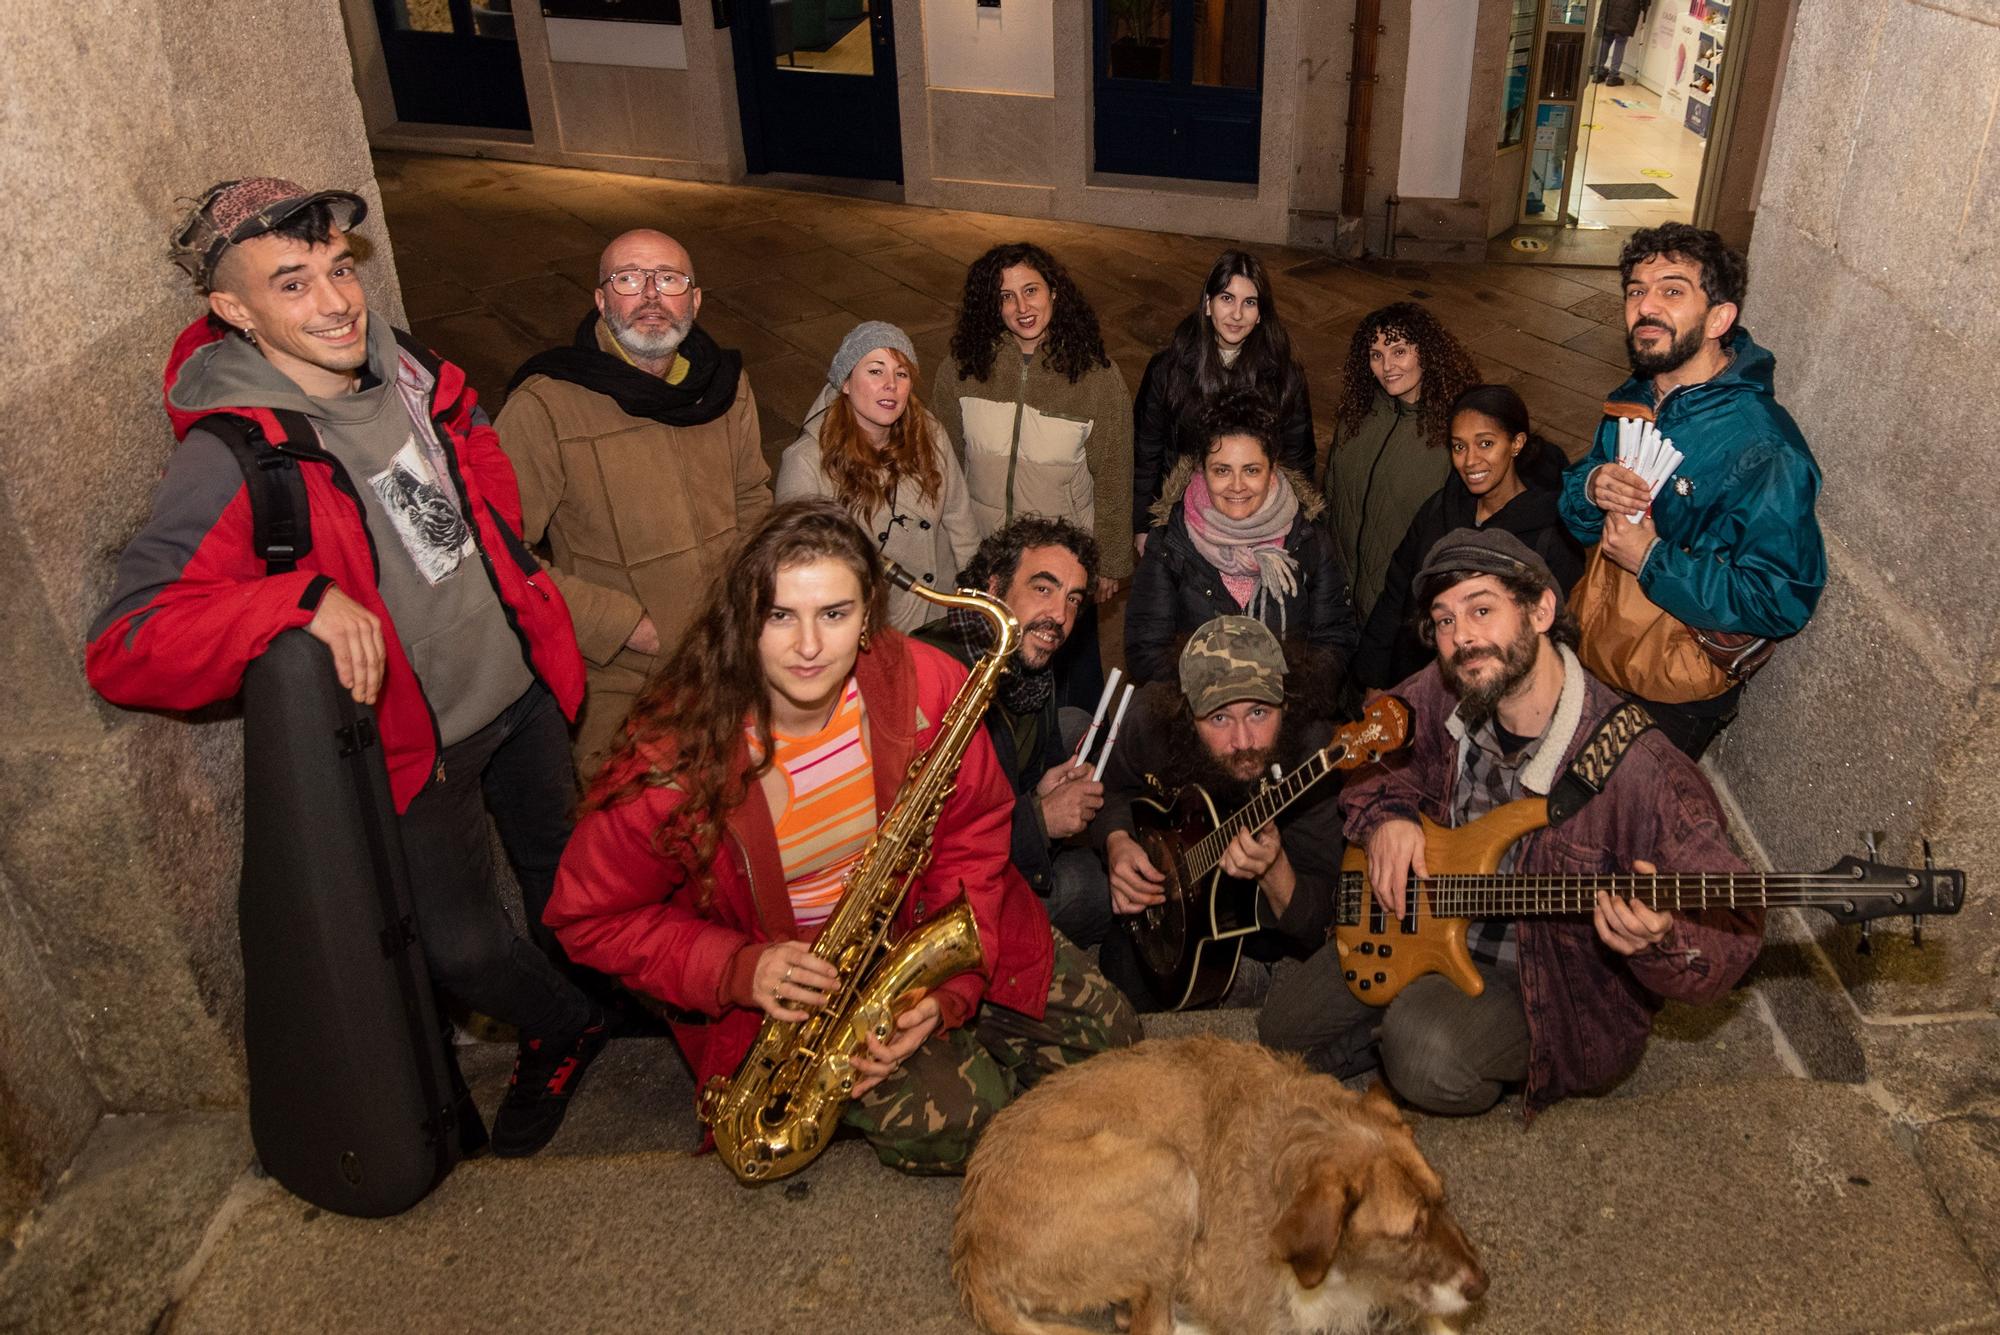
1090 733
1111 737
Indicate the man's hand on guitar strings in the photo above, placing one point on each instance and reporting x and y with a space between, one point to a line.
1251 853
1135 881
1395 850
1626 925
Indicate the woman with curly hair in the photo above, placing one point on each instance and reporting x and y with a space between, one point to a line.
1390 440
1043 421
715 842
870 444
1233 340
1235 534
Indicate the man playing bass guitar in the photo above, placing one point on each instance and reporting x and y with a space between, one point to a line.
1235 715
1502 714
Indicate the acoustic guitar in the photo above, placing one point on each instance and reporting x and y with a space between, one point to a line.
1190 944
1380 955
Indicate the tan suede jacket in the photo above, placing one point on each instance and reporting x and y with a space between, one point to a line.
640 517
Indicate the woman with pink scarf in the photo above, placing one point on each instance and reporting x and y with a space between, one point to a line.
1234 534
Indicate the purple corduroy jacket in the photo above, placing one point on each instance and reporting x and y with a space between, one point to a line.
1589 1009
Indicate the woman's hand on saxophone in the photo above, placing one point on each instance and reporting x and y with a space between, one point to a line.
882 1060
790 982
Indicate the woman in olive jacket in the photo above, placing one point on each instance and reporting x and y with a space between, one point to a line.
1236 536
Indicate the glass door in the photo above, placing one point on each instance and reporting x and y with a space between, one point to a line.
816 85
1179 88
1556 112
453 62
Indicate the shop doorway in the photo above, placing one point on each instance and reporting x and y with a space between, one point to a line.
1619 130
1179 88
816 85
453 62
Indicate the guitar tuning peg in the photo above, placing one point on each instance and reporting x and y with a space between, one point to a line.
1872 840
1930 863
1917 919
1863 946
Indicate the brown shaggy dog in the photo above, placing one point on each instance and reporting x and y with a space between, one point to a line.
1199 1184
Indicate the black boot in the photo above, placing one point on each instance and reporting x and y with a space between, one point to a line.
546 1074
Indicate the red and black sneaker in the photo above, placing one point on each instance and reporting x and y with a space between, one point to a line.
546 1073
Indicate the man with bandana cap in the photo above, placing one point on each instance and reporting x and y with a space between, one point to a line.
1501 715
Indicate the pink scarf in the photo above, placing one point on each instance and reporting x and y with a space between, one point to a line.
1249 553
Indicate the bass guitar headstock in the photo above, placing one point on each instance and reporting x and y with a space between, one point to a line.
1384 726
1856 891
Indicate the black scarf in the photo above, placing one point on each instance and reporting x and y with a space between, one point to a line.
703 394
1022 691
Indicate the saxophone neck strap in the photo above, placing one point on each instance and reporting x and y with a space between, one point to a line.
1590 772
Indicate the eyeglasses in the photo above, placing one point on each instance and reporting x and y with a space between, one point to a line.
666 282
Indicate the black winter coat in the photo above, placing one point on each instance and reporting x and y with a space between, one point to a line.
1390 650
1175 591
1160 439
1620 18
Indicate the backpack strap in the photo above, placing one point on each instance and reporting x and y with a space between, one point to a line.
1591 771
280 517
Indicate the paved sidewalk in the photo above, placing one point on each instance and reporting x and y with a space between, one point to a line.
497 261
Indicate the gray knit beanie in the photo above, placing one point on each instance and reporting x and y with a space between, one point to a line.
863 339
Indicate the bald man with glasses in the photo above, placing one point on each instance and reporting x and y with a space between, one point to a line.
640 461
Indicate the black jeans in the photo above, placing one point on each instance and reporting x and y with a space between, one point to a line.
1691 727
517 768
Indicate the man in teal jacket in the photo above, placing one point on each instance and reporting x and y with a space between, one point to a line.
1730 543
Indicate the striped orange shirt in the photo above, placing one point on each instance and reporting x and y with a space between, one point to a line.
829 813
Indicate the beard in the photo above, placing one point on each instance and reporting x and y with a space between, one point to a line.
1032 657
1478 699
652 347
1679 351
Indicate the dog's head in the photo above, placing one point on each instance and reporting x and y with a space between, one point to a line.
1364 1201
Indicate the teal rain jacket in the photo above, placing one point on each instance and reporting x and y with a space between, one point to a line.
1739 547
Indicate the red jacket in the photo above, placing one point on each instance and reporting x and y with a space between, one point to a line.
193 604
623 907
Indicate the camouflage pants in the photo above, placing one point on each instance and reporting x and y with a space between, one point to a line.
927 1117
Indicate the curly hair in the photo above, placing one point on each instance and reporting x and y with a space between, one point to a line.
686 728
1074 344
1724 273
999 555
1446 366
864 476
1243 412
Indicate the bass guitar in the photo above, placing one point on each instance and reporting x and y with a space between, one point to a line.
1190 944
1380 954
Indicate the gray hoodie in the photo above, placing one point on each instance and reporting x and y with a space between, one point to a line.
445 610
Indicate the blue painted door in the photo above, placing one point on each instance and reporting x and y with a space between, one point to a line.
816 85
1180 88
453 62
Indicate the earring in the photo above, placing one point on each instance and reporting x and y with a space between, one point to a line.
864 639
250 334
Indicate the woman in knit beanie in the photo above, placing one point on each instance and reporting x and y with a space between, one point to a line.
870 444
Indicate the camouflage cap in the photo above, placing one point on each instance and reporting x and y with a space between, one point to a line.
1230 659
231 212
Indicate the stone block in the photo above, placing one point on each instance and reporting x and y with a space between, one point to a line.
1961 1159
992 137
104 1254
1812 135
1938 1072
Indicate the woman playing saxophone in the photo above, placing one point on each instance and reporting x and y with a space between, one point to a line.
718 838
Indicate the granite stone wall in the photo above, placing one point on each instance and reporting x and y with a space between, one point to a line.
1875 280
120 986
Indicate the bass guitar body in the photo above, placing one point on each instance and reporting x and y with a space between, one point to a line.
1380 955
1189 946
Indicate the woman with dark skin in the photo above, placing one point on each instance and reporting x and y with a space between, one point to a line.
1233 340
1403 372
1043 423
1503 476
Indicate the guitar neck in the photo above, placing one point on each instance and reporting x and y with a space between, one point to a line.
1262 809
1511 896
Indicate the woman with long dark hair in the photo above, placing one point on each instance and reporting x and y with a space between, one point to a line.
1389 454
1043 422
1235 536
1233 340
870 444
754 771
1503 476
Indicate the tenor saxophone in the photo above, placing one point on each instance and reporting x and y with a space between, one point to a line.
779 1110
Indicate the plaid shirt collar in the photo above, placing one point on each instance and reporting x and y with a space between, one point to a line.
1540 762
